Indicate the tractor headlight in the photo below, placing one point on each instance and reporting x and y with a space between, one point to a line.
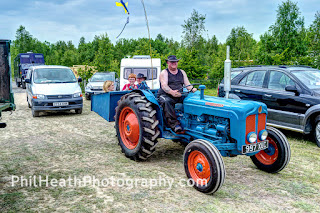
263 134
252 137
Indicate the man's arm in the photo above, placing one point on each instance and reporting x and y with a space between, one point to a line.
187 82
164 81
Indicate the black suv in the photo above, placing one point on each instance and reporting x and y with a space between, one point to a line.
291 93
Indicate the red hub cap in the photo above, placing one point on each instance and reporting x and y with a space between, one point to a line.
270 155
199 167
129 128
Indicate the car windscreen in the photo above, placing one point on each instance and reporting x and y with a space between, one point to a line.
53 75
311 78
102 77
233 74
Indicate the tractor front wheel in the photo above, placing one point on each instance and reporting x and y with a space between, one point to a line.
137 126
277 156
204 166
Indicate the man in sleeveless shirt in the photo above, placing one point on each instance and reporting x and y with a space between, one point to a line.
172 80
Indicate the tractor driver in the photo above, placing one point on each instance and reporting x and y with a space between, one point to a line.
172 80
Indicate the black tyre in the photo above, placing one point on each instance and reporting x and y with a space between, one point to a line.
35 113
88 97
316 132
18 84
277 156
137 126
204 166
28 103
78 111
23 84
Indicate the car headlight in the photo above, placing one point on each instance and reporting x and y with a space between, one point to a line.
77 95
263 134
39 96
252 137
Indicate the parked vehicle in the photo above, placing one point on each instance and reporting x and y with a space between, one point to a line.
213 127
52 88
141 64
291 93
95 85
22 62
6 95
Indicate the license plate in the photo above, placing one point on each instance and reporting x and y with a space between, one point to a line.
249 148
60 103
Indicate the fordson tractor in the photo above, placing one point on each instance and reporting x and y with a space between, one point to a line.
213 127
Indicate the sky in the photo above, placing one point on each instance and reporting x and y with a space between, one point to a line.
54 20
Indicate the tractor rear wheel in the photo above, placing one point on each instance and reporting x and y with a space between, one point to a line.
137 126
277 156
204 166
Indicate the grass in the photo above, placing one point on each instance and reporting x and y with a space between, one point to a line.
60 145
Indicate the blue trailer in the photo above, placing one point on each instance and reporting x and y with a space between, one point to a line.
22 62
213 127
6 95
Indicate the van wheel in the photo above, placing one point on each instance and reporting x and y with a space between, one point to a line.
23 84
88 97
28 103
35 113
78 111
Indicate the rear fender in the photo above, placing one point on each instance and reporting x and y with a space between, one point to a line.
151 96
310 117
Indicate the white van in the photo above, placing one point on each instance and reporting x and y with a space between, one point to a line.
51 88
141 64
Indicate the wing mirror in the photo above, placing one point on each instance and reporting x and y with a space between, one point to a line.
79 79
292 88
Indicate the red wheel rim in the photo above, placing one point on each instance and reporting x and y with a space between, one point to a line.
129 128
199 168
270 155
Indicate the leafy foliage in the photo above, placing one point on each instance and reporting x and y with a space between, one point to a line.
286 42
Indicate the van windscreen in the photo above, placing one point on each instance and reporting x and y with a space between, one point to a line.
53 75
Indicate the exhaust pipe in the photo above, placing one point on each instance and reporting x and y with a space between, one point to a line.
227 73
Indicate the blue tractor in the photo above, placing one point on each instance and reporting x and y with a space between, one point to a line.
213 127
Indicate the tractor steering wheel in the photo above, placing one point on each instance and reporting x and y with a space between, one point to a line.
187 88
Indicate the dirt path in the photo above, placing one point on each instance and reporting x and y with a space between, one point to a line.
63 145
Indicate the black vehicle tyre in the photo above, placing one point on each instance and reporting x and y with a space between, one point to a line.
23 84
277 156
35 113
18 84
28 103
88 97
204 166
78 111
316 131
137 126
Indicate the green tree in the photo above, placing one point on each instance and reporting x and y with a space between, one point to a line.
193 28
241 45
288 31
314 42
